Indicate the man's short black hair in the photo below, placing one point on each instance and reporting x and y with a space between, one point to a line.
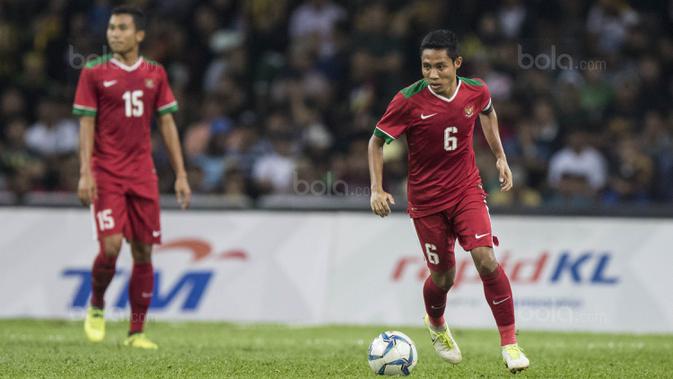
138 16
441 39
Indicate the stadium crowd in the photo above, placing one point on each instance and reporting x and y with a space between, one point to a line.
278 92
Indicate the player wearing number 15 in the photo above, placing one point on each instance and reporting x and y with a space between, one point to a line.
117 97
446 200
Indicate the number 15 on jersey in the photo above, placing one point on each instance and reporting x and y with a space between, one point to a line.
133 103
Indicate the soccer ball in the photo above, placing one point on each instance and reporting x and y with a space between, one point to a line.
392 353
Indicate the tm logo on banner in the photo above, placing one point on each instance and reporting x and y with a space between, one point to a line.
192 283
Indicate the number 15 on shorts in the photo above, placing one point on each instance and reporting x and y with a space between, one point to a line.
105 220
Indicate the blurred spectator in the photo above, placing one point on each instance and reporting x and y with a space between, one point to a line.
528 154
608 22
547 130
596 93
52 135
25 170
577 172
275 169
212 162
511 18
198 134
235 185
315 21
521 194
631 174
12 104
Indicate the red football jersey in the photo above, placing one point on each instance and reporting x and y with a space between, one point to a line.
123 99
439 134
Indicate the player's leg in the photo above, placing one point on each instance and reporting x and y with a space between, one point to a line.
104 267
102 272
473 226
498 293
141 287
435 289
144 231
437 243
109 220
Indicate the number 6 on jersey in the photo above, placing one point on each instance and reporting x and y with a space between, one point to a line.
450 141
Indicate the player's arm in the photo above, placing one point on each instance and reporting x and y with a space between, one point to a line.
379 198
169 133
391 126
489 124
86 188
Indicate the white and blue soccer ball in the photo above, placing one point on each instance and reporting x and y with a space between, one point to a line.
392 353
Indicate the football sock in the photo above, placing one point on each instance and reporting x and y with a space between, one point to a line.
140 294
499 297
435 302
101 275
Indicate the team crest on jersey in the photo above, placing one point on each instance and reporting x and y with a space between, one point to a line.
469 111
149 83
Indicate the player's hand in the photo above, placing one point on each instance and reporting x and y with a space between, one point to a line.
86 189
379 201
505 175
182 191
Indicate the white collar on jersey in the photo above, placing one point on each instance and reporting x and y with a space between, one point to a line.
449 99
125 67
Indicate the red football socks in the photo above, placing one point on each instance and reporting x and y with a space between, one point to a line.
435 302
499 297
140 294
102 272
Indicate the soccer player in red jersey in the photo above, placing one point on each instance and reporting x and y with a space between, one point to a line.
116 99
446 199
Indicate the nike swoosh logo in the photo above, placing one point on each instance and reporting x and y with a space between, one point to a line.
156 233
439 307
109 83
146 294
479 236
501 301
423 117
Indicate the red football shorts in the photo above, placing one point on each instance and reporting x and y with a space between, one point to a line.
128 208
468 220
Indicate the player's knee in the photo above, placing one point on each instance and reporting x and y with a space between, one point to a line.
443 280
484 260
142 253
112 245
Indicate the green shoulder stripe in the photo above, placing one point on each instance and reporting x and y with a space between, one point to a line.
151 61
472 82
83 112
383 135
414 88
168 108
100 60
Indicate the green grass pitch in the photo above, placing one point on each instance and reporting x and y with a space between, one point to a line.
58 349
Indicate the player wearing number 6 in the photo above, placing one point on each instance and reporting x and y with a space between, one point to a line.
117 97
446 199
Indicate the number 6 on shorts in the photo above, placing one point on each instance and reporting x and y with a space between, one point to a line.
431 253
